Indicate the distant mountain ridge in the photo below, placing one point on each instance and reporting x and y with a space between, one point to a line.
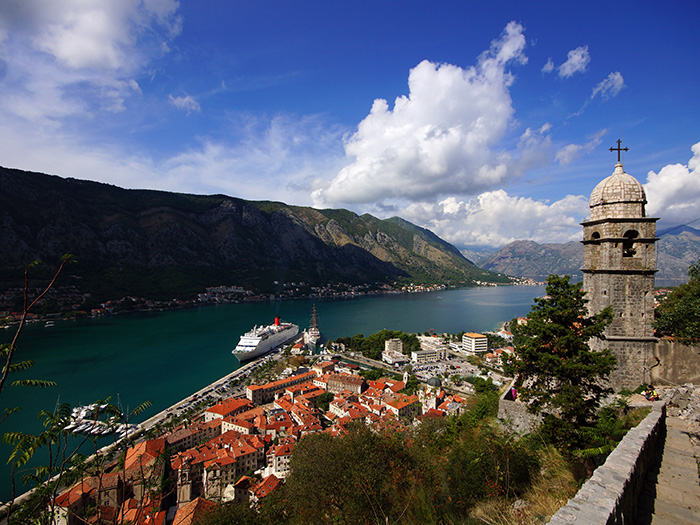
173 244
676 250
534 260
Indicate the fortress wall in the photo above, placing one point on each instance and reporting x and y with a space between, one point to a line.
514 414
610 496
674 363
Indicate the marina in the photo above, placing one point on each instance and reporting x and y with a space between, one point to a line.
85 420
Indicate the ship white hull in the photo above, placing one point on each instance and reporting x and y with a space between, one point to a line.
261 340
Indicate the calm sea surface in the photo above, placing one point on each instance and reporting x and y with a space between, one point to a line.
163 357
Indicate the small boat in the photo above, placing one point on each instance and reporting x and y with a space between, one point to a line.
82 428
97 427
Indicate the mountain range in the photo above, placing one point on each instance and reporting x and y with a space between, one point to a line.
676 250
159 244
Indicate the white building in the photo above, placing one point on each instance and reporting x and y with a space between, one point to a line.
429 356
431 342
394 344
474 343
393 352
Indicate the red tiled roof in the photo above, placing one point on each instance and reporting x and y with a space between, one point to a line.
144 454
266 487
72 495
195 508
284 450
403 401
397 386
230 405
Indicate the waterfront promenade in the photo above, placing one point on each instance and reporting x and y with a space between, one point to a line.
180 405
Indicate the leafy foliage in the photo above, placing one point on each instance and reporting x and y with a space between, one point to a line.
487 463
228 513
371 374
557 373
679 314
359 476
434 473
62 464
323 401
373 346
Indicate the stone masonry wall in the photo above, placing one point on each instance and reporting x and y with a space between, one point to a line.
610 495
632 300
514 414
634 360
674 363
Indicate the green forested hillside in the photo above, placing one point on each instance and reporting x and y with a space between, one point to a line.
162 245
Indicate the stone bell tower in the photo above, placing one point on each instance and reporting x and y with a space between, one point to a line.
619 263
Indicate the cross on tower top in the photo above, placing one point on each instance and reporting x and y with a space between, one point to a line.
619 150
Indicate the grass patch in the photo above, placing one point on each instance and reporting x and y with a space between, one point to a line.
550 489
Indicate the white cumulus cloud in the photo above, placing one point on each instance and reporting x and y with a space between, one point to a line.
548 67
496 218
576 62
441 138
78 54
674 192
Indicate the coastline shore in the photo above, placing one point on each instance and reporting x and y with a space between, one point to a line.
163 414
148 424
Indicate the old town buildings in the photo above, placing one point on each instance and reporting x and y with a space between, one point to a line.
240 449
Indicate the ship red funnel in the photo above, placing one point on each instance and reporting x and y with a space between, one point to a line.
277 321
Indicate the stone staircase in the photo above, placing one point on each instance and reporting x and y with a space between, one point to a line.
671 494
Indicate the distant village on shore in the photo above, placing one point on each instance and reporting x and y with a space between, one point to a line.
69 302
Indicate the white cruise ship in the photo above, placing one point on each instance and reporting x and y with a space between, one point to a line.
262 339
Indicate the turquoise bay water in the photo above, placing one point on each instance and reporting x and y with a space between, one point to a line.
162 357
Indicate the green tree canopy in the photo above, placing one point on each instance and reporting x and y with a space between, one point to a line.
373 346
324 400
557 373
679 314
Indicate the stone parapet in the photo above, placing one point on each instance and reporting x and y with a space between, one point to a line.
514 414
610 496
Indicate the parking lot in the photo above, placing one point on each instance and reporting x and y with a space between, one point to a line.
454 365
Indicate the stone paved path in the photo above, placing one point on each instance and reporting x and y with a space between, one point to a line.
672 492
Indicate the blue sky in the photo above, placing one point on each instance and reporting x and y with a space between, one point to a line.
485 122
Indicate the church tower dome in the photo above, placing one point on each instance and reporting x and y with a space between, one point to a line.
619 195
619 263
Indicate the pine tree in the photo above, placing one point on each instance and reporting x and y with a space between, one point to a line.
557 373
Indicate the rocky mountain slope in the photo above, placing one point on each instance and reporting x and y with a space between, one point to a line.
676 250
537 261
161 244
